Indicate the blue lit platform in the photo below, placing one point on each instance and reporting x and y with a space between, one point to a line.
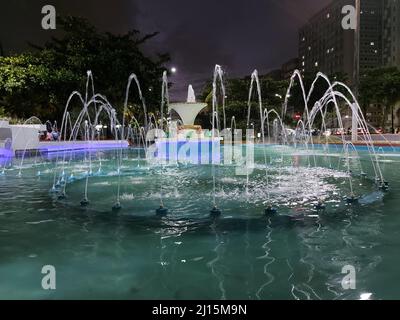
63 146
195 151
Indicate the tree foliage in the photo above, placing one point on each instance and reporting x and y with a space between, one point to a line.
381 86
39 82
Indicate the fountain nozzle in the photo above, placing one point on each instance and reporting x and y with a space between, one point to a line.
320 205
162 211
384 186
351 199
117 206
215 212
62 196
84 202
270 210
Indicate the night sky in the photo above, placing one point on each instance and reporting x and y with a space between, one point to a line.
241 35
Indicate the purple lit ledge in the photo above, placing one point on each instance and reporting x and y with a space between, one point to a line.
5 153
61 146
5 157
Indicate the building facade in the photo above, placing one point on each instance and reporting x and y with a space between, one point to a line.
324 45
391 33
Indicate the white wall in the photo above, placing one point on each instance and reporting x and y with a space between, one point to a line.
24 137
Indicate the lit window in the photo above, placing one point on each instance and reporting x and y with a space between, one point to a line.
316 63
372 43
328 15
303 64
309 48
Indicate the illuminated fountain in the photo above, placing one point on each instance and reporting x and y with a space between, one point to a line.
188 111
274 181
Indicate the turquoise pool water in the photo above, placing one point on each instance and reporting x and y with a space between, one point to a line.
132 254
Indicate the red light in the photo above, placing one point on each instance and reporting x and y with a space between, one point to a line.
297 116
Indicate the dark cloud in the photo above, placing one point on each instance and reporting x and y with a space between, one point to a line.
241 35
20 20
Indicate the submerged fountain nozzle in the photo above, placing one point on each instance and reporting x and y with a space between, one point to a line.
384 186
352 199
117 206
84 202
270 210
62 196
215 212
320 205
162 211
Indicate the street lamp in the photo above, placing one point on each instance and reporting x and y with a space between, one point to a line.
173 70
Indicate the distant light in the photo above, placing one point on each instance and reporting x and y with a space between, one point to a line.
365 296
173 70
